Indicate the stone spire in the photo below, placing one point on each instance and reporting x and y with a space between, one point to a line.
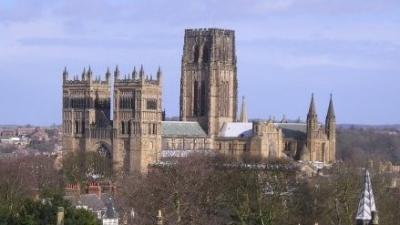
311 110
243 112
331 110
312 120
366 212
330 130
65 74
330 121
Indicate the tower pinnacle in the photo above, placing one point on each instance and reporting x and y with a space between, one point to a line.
108 74
116 72
65 74
159 73
141 72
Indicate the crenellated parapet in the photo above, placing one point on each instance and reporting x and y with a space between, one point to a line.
137 78
86 78
208 31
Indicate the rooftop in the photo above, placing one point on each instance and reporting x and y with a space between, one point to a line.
182 129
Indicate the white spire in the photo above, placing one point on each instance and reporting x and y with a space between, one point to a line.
366 206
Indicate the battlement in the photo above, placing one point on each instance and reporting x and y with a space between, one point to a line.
208 31
85 79
137 78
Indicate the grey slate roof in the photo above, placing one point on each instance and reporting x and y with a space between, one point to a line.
293 130
182 129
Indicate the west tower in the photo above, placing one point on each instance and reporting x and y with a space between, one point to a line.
86 111
137 121
208 92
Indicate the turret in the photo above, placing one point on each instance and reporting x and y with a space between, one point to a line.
312 118
84 73
330 122
65 74
141 73
116 73
134 73
108 75
330 130
312 129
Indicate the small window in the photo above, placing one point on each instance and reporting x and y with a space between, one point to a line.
151 104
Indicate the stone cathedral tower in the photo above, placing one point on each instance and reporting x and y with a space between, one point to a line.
86 110
137 120
132 140
209 78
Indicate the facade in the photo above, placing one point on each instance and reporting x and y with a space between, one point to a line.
133 138
137 136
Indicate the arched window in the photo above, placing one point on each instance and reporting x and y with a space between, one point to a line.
224 99
196 53
195 98
206 54
83 127
154 128
76 126
203 105
122 127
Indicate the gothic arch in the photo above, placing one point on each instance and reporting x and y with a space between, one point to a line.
104 149
206 53
196 53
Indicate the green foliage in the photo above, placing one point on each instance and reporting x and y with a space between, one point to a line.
21 180
44 212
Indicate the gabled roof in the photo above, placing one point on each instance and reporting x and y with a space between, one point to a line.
293 130
182 129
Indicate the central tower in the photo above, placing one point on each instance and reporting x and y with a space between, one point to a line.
209 78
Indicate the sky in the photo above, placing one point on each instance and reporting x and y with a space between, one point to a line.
286 50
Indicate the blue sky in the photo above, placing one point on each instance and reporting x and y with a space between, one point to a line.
286 49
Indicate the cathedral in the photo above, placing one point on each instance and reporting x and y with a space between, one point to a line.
138 135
